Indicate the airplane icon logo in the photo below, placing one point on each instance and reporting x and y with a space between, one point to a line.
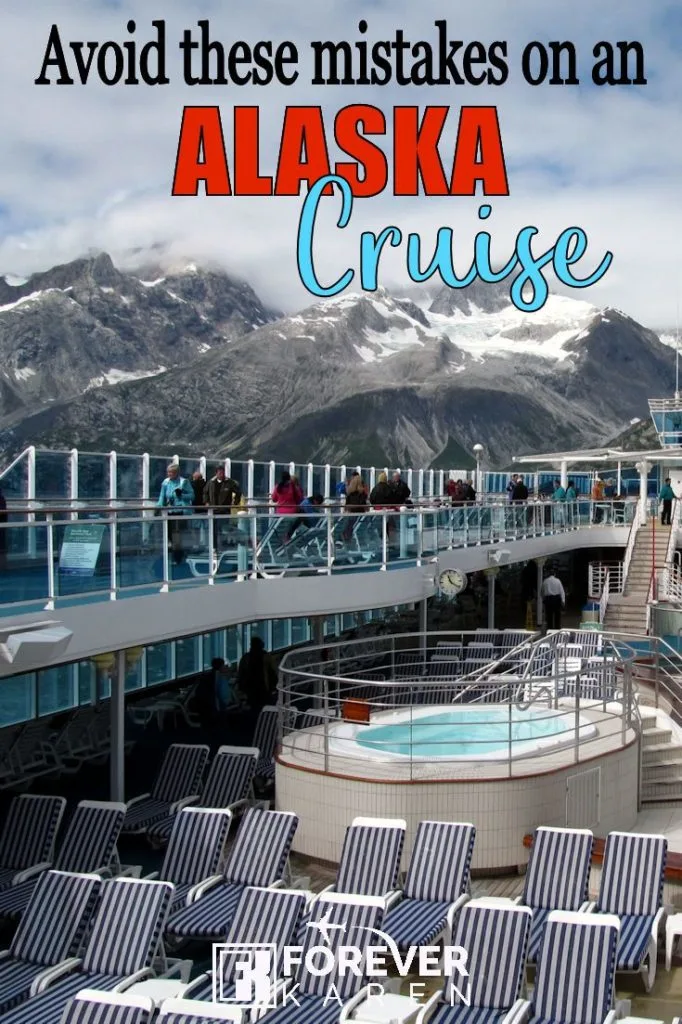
325 926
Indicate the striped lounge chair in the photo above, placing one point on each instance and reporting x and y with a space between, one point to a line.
67 902
178 782
28 837
354 917
269 916
437 878
93 1007
265 739
88 847
495 939
557 878
258 857
632 888
229 783
125 940
195 850
574 982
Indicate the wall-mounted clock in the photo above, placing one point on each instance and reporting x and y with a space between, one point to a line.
452 582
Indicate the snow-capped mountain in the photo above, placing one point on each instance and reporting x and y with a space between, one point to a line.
369 378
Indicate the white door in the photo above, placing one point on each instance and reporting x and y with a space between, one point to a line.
675 474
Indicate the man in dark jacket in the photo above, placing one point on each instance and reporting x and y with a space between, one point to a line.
520 492
400 490
221 494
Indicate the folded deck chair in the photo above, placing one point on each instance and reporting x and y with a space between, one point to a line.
178 781
28 837
88 847
258 857
632 888
52 929
265 738
495 939
268 916
557 878
574 982
229 783
195 850
123 944
437 878
337 921
93 1007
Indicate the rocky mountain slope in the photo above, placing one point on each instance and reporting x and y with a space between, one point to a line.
86 324
365 378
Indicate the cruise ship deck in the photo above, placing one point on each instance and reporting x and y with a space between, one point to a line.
433 752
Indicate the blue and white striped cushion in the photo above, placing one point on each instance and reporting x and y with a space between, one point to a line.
6 877
196 845
467 1015
440 862
180 773
632 874
209 917
370 860
574 979
145 813
16 978
495 939
48 1007
263 915
91 837
128 927
84 1011
29 831
56 918
633 943
312 1010
358 920
559 869
261 847
416 922
265 733
537 930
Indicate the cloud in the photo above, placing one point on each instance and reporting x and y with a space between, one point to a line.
91 167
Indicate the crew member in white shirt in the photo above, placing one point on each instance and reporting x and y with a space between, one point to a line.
553 599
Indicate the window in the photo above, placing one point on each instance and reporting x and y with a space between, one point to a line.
87 679
17 699
214 646
159 664
56 689
187 656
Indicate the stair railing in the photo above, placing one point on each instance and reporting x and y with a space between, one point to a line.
636 523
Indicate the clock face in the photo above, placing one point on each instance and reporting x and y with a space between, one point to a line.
452 582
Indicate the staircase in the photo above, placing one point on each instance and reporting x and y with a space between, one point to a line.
627 612
661 761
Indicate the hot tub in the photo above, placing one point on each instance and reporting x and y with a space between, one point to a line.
482 733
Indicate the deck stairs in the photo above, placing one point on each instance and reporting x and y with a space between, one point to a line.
627 612
661 759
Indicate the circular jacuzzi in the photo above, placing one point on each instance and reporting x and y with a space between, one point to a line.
487 733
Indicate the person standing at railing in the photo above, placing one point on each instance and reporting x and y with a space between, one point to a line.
222 494
666 497
553 600
177 496
571 501
598 491
559 498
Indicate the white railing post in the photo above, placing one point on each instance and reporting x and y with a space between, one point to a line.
372 477
249 480
165 558
328 481
73 480
228 467
32 547
310 484
113 548
50 562
384 541
202 466
420 483
113 476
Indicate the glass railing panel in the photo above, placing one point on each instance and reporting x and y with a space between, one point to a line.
318 481
129 478
261 481
23 562
53 476
157 474
93 478
14 482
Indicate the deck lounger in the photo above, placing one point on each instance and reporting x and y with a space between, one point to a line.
228 784
178 780
88 847
124 943
557 878
263 915
67 902
632 888
93 1007
195 850
265 739
28 837
437 878
495 939
574 982
359 915
258 858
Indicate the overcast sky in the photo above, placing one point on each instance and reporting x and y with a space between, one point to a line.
90 167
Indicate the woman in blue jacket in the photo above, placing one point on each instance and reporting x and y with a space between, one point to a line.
177 495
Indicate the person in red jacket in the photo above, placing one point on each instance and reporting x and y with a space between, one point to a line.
287 496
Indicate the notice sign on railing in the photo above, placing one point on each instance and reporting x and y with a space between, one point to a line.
80 548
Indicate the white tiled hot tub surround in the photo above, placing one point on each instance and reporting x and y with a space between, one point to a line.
503 810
